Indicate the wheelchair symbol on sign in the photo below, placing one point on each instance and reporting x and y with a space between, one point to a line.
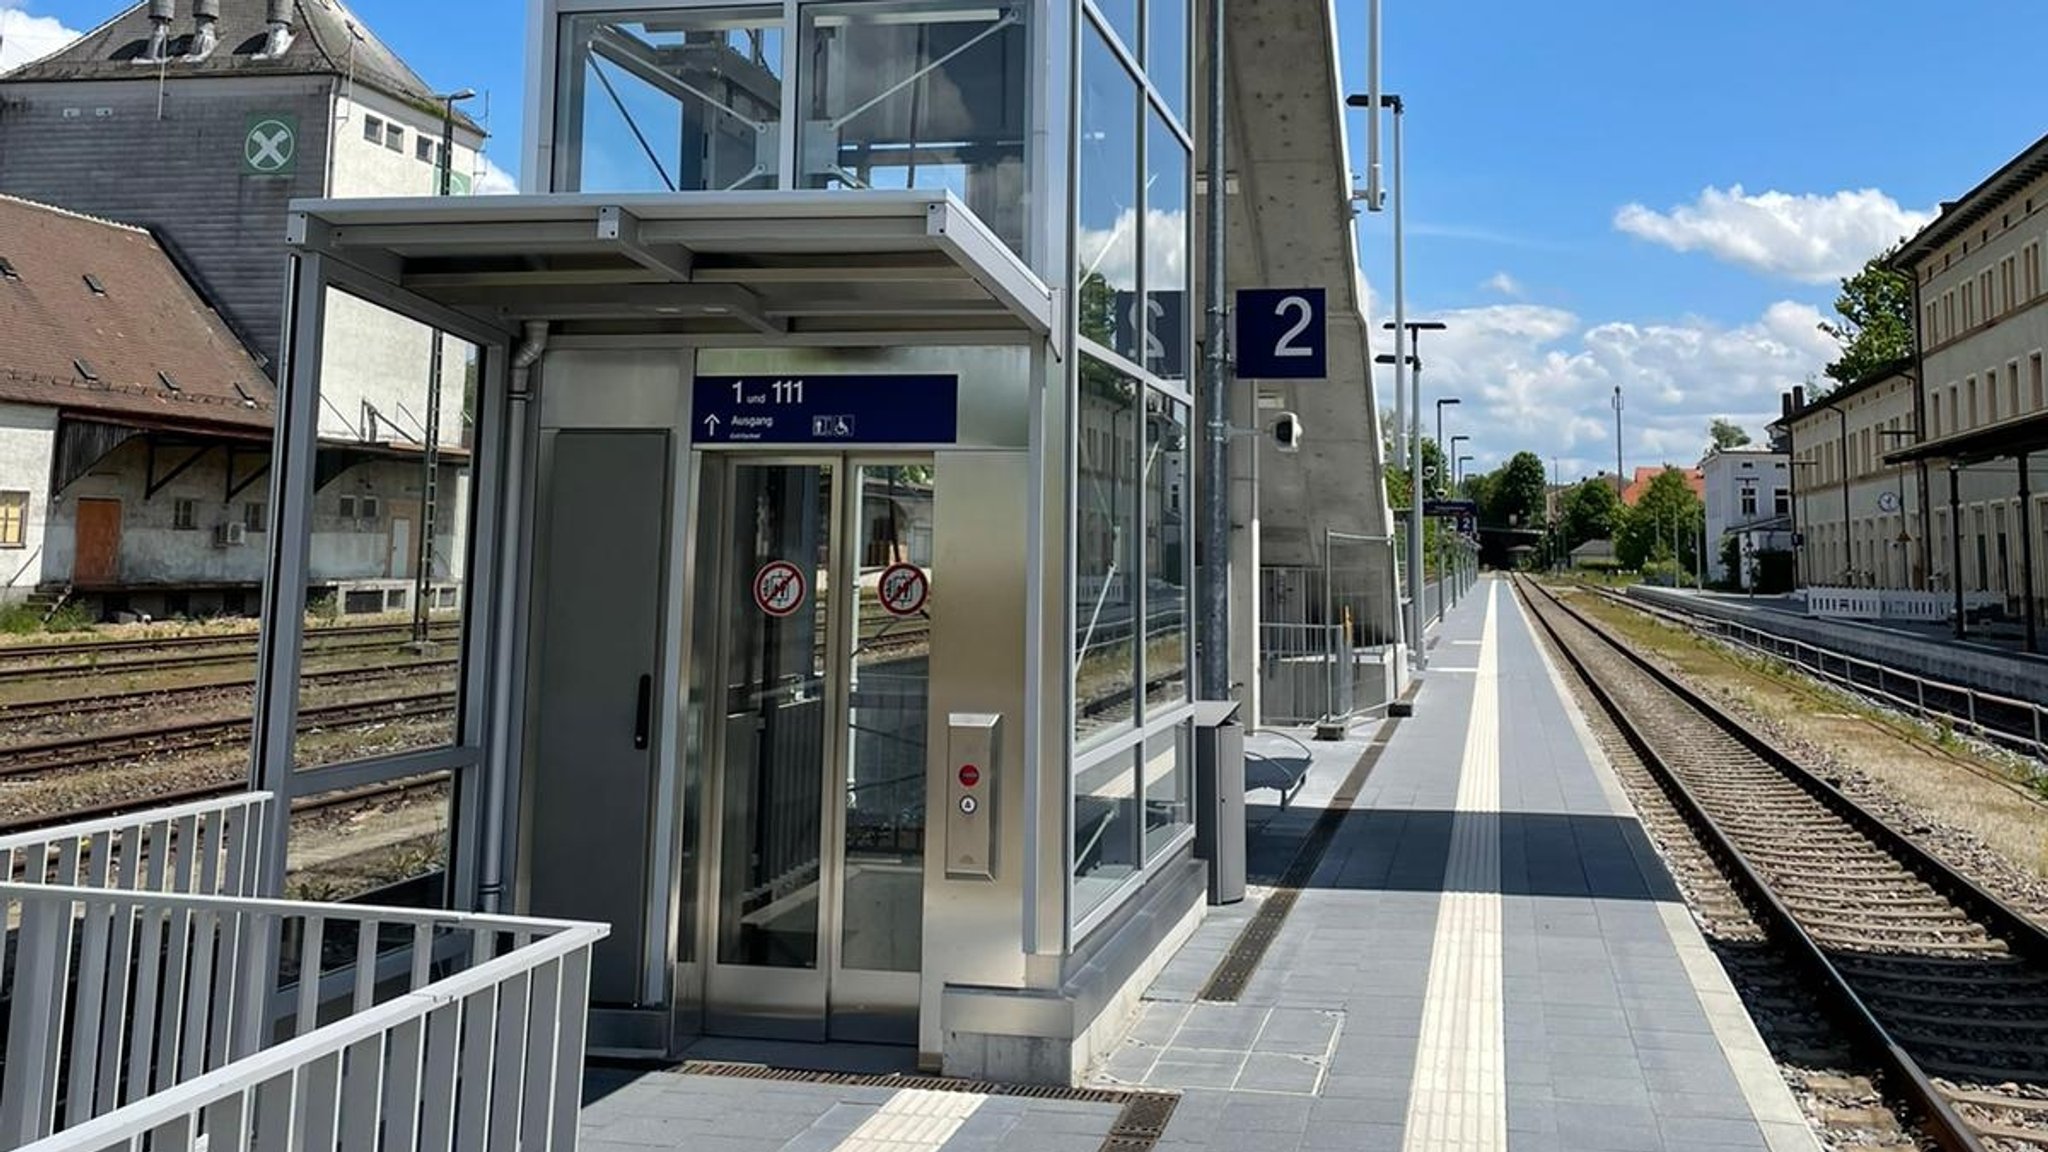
832 427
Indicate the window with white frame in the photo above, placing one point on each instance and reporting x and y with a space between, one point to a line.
185 515
373 129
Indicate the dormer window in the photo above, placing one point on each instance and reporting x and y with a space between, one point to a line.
7 271
169 384
85 370
93 285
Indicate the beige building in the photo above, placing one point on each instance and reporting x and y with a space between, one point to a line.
1982 328
1858 518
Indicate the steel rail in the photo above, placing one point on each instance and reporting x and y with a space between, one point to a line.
22 710
1948 1128
84 751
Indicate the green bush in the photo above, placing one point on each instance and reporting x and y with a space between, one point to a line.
70 618
20 620
1663 573
325 609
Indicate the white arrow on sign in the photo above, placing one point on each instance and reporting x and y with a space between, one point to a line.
711 425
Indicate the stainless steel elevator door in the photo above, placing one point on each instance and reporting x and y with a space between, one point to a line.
597 626
817 902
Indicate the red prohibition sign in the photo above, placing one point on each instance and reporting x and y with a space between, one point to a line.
779 588
904 589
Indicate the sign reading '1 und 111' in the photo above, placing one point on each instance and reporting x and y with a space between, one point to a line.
841 409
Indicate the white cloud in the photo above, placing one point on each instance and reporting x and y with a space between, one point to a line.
1537 378
24 37
1810 238
1112 253
494 181
1504 284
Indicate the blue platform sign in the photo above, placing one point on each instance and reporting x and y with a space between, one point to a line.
1282 334
824 410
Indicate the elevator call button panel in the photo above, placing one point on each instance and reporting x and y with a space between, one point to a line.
972 740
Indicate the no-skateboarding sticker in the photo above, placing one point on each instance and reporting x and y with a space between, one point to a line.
904 589
779 588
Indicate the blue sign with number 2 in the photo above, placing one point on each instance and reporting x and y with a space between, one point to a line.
1282 334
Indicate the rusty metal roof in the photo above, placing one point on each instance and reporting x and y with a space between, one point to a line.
149 326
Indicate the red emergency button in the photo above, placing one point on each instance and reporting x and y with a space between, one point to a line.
969 775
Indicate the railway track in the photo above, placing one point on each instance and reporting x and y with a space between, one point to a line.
169 653
1945 987
2018 725
99 702
102 748
342 799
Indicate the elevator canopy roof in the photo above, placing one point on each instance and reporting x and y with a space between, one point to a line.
698 267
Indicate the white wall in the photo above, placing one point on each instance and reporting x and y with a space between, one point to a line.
1726 475
1971 345
374 355
155 552
27 437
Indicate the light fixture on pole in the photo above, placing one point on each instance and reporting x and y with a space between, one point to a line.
1457 477
1440 453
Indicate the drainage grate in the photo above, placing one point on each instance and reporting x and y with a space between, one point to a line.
1137 1128
1235 971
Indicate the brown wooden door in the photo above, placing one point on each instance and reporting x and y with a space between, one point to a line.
99 543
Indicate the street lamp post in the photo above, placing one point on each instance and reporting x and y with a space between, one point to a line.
1403 330
1620 485
1447 587
430 455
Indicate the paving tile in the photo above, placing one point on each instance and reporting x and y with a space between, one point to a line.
1273 1072
1176 1073
1695 1131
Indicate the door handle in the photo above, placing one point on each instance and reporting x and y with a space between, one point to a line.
643 711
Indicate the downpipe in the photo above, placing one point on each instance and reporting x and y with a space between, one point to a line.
506 648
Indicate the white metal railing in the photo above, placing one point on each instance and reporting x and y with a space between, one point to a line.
151 1002
1890 603
212 847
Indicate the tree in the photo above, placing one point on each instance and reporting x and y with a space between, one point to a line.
1667 508
1727 433
1591 512
1517 493
1876 306
1396 473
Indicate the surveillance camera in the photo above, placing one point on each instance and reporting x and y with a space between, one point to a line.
1287 432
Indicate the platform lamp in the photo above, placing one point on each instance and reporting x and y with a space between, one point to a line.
430 455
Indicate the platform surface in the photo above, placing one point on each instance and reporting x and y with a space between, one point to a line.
1489 956
1490 948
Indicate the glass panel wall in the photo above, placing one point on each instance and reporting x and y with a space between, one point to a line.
1133 544
390 551
1106 832
1106 553
1169 788
687 100
899 95
1169 334
1106 193
1166 53
1167 651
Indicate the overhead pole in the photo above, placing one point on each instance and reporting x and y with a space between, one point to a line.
1214 663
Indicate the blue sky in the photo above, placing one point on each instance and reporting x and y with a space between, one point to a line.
1601 192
